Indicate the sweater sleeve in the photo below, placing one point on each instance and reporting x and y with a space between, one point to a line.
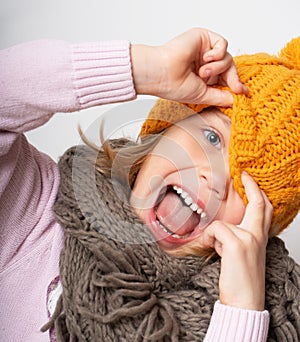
38 79
41 78
234 324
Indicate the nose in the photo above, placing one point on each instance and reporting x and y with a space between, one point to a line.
216 176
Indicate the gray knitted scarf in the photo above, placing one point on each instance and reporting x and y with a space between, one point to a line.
119 286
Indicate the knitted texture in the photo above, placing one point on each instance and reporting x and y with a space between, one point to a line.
265 136
118 285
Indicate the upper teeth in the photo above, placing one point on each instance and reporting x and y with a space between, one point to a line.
189 202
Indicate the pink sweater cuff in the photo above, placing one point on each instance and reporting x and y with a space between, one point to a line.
235 324
102 72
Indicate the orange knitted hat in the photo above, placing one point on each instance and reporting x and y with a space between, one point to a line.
265 136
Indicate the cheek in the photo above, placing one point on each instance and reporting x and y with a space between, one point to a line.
152 173
150 178
234 210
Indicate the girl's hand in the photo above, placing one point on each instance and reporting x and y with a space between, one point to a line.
243 251
185 69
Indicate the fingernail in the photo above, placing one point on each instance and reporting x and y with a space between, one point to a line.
208 72
245 90
243 175
209 58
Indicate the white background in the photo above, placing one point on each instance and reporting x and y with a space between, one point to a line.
249 26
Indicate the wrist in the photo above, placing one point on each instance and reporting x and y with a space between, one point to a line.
146 69
254 301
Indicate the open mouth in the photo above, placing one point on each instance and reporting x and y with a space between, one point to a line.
177 214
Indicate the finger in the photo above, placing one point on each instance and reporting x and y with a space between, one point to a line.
268 213
220 236
218 47
254 218
216 67
210 81
231 78
227 70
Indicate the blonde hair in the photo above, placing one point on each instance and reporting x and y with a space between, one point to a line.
122 155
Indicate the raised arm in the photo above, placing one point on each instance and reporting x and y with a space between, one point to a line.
41 78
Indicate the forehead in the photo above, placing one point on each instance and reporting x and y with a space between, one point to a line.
216 116
210 117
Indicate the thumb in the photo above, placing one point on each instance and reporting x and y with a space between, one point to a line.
215 97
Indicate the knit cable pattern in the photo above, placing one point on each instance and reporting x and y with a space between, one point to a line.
265 135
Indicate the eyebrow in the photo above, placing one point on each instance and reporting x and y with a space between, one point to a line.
224 118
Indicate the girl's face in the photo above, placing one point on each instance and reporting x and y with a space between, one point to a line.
184 184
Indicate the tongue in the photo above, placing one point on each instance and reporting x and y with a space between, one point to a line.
175 215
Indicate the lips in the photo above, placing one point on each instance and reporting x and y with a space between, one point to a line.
177 215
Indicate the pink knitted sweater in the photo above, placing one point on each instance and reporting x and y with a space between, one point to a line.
38 79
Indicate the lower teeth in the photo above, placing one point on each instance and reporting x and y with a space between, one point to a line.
171 233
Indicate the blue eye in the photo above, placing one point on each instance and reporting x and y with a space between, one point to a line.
212 138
